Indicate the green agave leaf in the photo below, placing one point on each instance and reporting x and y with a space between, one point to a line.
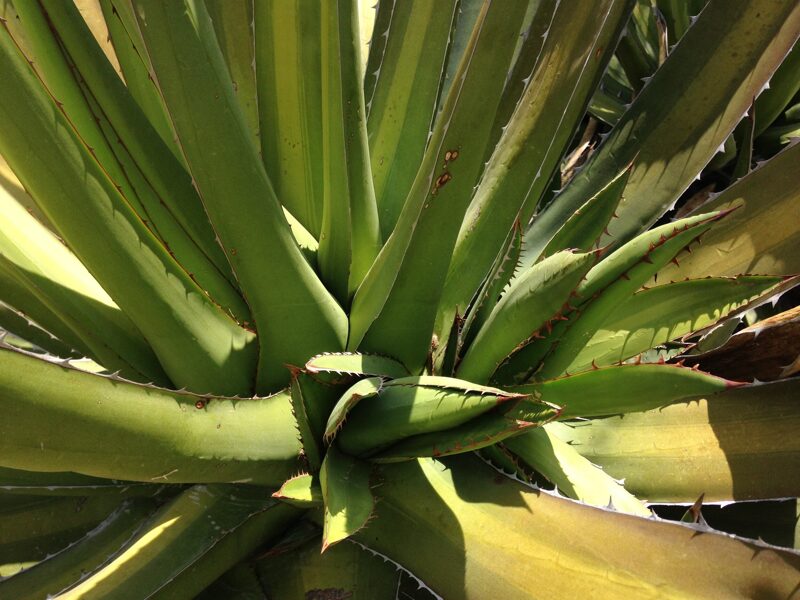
605 107
467 17
288 79
480 432
356 363
197 343
614 280
52 285
169 205
743 136
18 324
287 299
60 419
757 238
398 299
736 445
783 86
318 399
364 388
467 537
309 438
130 50
584 228
571 473
344 570
34 527
15 481
98 107
233 25
670 237
489 295
722 63
302 491
575 53
188 544
68 566
679 15
404 76
654 316
537 22
348 498
624 389
416 405
15 293
350 237
535 297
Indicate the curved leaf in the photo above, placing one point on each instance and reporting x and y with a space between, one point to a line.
60 419
737 445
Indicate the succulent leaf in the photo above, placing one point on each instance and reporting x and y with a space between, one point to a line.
356 363
674 454
347 495
412 406
302 491
571 473
624 389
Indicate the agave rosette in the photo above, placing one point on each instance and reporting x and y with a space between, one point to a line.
263 286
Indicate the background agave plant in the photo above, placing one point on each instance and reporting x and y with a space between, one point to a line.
260 299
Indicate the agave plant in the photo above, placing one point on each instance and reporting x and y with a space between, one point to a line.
434 311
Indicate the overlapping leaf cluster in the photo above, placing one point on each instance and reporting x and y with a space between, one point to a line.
262 285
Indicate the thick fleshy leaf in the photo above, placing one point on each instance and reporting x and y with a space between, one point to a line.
197 343
152 179
309 434
17 324
136 68
356 363
534 298
302 491
415 406
480 432
583 229
68 566
741 444
394 309
575 53
42 277
15 481
34 527
345 571
233 25
295 315
656 315
189 543
624 389
783 86
347 495
349 239
364 388
468 534
405 72
571 473
60 419
614 280
757 238
700 93
503 270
